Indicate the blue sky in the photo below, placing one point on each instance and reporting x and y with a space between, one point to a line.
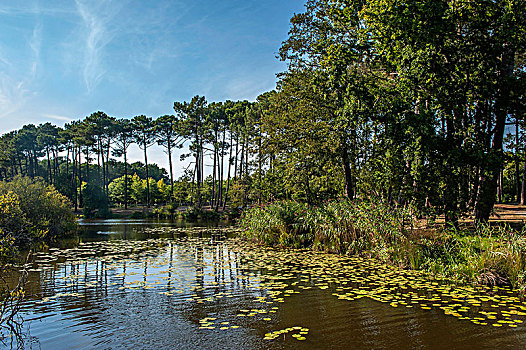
61 60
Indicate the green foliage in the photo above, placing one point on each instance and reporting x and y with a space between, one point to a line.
406 101
138 189
96 202
159 190
12 222
489 255
194 214
283 222
339 226
30 211
117 189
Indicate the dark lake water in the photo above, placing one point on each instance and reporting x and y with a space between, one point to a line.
132 284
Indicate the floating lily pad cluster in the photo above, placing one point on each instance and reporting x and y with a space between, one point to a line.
84 252
353 278
212 232
211 323
296 332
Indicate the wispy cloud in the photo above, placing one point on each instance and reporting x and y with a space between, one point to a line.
20 8
102 22
13 94
96 37
35 43
19 70
58 117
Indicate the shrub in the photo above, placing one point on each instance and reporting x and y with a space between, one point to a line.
32 210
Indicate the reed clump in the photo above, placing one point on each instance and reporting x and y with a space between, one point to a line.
486 255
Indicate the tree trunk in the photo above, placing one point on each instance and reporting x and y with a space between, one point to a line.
103 165
49 165
74 179
221 171
56 168
108 167
517 161
147 175
228 174
245 178
81 202
87 164
125 178
488 184
523 197
260 167
237 151
35 162
499 188
451 192
241 159
215 163
171 170
67 160
349 186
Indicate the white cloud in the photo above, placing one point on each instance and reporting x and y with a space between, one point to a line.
16 87
19 69
35 43
95 17
58 117
32 8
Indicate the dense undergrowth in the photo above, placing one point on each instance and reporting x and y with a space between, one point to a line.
486 255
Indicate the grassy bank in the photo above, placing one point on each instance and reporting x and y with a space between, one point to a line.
486 255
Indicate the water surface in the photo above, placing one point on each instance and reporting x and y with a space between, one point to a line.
137 284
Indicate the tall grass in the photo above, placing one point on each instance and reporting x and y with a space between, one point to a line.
340 226
488 255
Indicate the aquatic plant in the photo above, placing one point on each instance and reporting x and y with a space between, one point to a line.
287 223
486 255
237 284
338 226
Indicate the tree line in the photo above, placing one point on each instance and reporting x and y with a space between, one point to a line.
404 101
79 159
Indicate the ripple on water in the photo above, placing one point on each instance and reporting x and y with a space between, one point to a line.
228 294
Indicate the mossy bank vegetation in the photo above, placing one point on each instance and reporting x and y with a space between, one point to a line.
483 254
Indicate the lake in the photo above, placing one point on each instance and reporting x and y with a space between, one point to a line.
136 284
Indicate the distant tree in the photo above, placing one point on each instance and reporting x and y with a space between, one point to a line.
138 189
192 115
123 139
96 202
144 132
167 132
47 138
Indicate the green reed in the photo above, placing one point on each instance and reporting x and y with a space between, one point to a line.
487 255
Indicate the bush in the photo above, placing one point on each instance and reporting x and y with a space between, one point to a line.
32 210
194 214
